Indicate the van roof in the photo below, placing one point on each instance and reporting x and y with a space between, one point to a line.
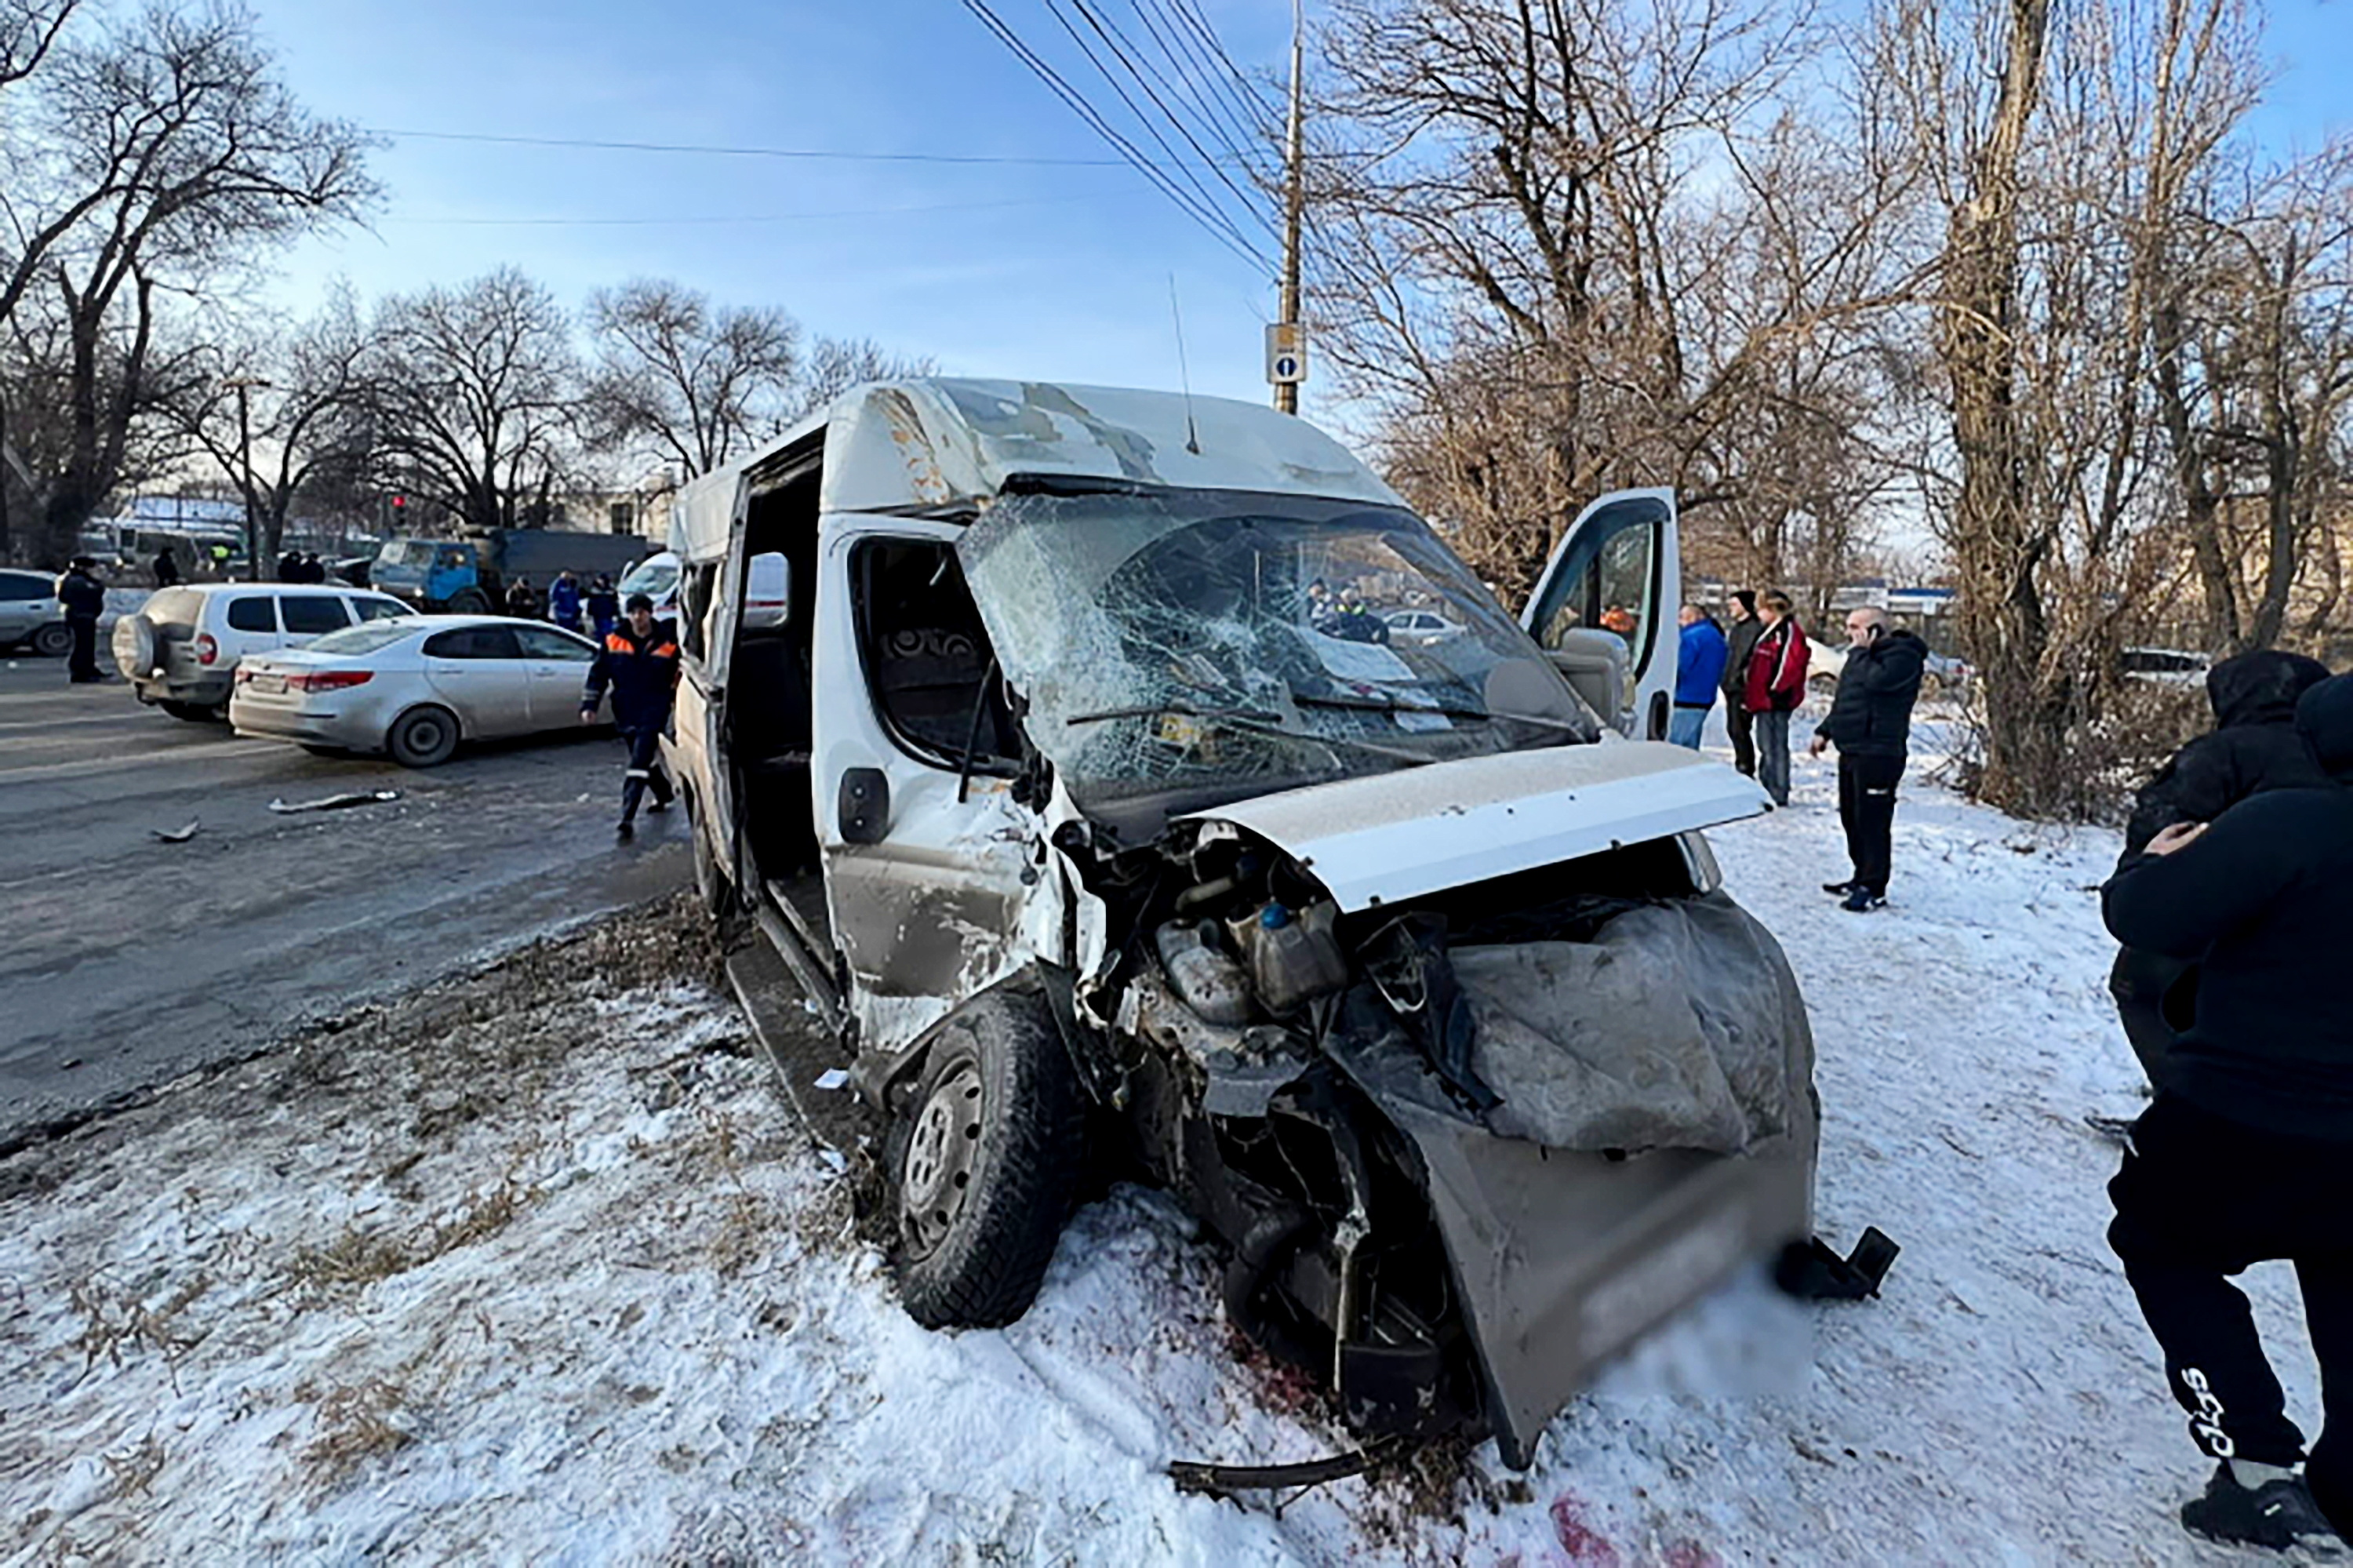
942 441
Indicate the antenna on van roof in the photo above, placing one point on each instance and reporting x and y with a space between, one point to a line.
1184 376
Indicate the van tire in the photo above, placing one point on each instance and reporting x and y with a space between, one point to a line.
423 736
470 601
984 1161
54 640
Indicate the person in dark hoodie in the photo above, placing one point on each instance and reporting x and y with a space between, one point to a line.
1869 722
2254 746
2241 1158
1740 640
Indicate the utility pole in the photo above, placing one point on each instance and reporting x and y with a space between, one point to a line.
1287 356
241 385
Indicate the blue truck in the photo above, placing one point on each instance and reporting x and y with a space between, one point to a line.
471 574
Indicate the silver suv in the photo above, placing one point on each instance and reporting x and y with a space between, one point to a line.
180 651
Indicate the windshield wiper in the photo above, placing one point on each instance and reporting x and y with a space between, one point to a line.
1355 704
1251 721
1182 710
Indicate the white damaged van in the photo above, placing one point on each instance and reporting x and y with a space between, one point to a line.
1068 762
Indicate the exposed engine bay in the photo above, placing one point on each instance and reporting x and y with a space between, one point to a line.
1396 1118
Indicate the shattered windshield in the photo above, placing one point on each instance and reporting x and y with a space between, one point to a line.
1166 641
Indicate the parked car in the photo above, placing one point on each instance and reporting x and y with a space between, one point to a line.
1421 627
1826 662
180 651
416 687
2166 666
1400 965
30 616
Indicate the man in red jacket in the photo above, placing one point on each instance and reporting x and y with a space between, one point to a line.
1772 686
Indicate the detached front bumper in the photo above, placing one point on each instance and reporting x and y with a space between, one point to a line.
1564 1260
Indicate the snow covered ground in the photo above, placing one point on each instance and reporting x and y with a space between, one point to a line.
532 1268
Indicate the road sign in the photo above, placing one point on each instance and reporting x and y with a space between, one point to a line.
1286 353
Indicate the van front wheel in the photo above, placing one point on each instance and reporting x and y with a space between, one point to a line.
984 1159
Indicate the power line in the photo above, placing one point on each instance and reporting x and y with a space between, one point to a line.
1116 42
1208 219
1208 65
809 152
757 217
1210 97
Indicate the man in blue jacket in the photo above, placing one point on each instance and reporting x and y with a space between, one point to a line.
1699 672
564 601
639 663
2242 1157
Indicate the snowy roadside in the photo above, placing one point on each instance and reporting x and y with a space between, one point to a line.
530 1266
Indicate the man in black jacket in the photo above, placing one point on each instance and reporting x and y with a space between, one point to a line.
2243 1156
2254 746
639 663
83 598
1869 722
1740 639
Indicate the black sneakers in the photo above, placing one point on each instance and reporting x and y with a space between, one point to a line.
1860 900
2278 1514
625 830
1839 889
655 808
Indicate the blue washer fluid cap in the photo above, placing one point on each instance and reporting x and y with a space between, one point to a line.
1274 917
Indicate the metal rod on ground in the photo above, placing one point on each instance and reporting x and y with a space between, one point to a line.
1286 392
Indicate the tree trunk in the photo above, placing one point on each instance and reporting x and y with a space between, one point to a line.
1999 540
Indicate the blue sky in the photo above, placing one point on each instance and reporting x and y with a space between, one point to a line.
1005 269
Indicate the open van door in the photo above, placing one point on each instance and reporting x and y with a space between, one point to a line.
1605 608
704 627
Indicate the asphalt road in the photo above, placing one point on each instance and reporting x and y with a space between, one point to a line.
125 962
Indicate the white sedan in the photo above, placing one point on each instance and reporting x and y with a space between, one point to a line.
1422 627
416 687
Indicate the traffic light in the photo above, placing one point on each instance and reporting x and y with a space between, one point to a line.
400 506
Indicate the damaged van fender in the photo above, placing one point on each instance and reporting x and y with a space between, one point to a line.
1080 785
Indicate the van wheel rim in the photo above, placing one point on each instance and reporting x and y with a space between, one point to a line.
941 1156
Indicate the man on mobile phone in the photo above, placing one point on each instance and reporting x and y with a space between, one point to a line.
1869 722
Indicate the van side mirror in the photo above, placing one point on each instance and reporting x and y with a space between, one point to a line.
767 593
864 809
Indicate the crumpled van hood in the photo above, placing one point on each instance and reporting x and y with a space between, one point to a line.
1392 836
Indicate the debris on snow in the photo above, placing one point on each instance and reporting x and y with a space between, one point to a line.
335 802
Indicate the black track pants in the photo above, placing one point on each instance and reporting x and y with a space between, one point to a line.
1737 720
2199 1200
645 769
1867 809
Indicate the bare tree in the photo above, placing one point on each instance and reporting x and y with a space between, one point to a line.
836 365
473 393
2254 383
28 31
697 383
308 399
148 154
1572 245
